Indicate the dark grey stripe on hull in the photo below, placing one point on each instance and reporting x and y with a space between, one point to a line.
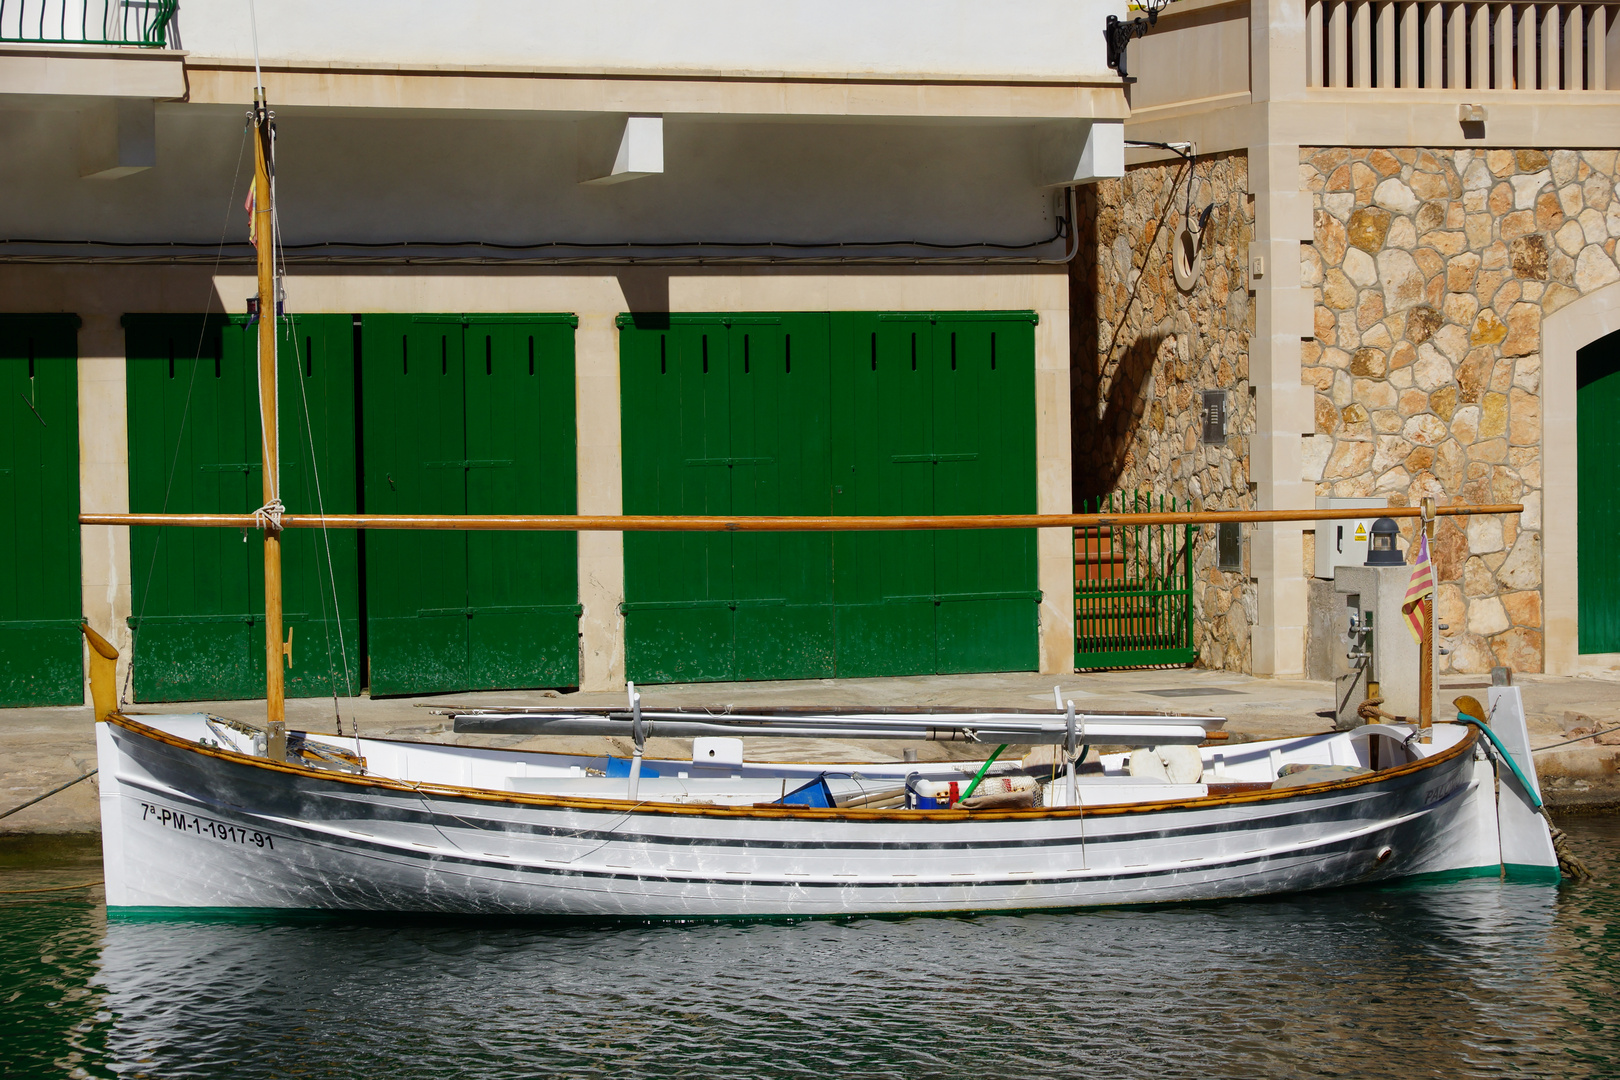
313 800
1323 850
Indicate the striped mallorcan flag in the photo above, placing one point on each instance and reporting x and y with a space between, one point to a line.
1421 585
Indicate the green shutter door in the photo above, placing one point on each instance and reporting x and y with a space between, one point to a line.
984 446
779 425
196 613
194 448
1597 404
41 653
415 450
455 423
849 414
676 446
882 378
320 600
523 588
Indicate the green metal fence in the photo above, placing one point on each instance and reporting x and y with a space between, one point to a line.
1133 604
143 23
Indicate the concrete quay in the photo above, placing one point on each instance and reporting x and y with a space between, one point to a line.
43 747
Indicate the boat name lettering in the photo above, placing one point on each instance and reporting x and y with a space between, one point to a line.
1441 793
229 834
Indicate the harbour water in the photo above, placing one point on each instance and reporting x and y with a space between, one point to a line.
1472 978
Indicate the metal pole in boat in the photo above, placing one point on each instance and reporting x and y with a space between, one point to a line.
638 734
1426 668
1072 747
264 235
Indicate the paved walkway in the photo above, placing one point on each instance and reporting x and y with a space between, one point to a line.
40 748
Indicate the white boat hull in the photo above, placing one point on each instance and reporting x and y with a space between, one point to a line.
189 827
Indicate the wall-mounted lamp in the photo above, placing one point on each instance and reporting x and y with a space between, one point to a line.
1120 34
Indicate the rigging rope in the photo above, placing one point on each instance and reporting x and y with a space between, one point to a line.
53 888
48 794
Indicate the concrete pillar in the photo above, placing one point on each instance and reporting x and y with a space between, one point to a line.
1283 317
601 491
104 483
1054 464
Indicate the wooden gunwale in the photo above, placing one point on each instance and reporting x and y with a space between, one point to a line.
695 523
802 813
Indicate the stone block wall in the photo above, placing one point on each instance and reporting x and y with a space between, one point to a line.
1143 352
1432 270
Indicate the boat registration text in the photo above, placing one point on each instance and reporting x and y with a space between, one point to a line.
229 834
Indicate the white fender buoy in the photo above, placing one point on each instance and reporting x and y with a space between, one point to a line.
1147 765
1183 764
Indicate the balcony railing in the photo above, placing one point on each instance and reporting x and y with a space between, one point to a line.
143 23
1492 45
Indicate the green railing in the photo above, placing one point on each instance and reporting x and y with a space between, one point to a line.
143 23
1133 604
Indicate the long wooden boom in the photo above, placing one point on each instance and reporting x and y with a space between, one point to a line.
683 523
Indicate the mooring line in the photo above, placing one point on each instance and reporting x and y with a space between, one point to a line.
48 794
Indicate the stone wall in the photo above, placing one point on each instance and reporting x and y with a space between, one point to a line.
1144 351
1432 270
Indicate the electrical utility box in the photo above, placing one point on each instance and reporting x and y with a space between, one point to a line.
1344 542
1368 650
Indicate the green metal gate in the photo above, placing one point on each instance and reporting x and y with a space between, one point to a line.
470 414
194 447
1597 403
1133 602
41 653
811 413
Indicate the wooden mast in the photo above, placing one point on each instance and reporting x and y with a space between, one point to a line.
264 233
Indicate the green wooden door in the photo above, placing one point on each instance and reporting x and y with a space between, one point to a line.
676 443
779 425
726 415
935 414
522 588
1597 404
985 581
320 579
194 447
882 447
41 652
815 414
469 414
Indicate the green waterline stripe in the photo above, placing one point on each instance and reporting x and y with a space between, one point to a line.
1516 873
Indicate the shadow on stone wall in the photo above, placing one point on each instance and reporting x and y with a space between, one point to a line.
1108 397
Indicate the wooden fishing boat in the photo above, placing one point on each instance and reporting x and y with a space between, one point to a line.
200 812
196 815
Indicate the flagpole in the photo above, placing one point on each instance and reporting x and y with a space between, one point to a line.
1426 666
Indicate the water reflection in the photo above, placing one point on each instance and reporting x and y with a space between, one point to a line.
1467 979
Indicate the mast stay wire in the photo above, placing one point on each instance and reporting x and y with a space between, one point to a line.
315 475
185 413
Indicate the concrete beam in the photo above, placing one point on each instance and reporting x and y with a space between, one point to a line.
117 138
1081 152
639 149
92 71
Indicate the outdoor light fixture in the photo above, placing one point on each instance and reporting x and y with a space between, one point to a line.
1120 34
1381 549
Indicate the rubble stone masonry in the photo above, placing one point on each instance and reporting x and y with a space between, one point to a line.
1432 270
1144 351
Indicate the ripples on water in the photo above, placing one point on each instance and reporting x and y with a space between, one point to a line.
1469 979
